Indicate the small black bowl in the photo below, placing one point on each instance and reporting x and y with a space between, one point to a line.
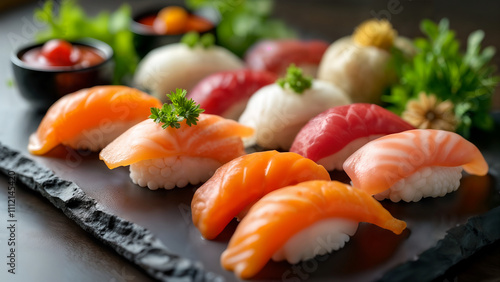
42 87
145 39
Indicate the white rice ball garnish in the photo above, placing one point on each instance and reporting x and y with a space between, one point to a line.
320 238
172 172
433 182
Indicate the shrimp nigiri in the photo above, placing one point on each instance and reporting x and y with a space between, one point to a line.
241 182
332 136
289 222
414 164
169 156
91 118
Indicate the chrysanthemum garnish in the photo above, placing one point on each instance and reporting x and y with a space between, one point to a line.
429 113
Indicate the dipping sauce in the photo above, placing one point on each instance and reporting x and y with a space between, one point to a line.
58 53
175 20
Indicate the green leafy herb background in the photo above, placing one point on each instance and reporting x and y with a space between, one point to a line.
440 68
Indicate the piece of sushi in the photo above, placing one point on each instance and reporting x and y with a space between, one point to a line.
173 157
360 64
332 136
290 223
226 93
181 66
276 55
278 111
238 184
91 118
414 164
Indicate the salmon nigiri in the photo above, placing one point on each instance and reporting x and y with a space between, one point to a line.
91 118
175 154
290 223
414 164
238 184
332 136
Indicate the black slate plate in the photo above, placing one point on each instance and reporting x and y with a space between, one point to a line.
372 253
130 240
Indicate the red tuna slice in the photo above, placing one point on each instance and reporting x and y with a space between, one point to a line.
332 136
276 55
226 93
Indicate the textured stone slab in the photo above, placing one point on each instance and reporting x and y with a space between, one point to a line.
128 239
459 243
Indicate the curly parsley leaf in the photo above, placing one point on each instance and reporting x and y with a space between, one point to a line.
180 109
295 80
193 38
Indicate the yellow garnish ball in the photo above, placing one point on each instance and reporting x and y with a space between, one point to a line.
376 33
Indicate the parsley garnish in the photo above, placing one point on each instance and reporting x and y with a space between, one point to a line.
295 80
181 108
193 38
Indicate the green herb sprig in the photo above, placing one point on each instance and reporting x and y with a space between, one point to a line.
181 108
193 38
295 80
71 23
439 68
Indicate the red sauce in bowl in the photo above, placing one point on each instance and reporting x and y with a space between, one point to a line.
147 20
58 53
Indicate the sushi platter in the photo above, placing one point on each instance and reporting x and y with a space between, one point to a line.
287 160
371 252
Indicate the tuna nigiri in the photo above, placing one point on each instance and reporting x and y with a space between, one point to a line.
276 55
288 224
414 164
226 93
91 118
168 156
332 136
241 182
278 111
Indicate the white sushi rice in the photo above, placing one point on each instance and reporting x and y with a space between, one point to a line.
172 172
278 114
336 161
427 182
320 238
99 137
